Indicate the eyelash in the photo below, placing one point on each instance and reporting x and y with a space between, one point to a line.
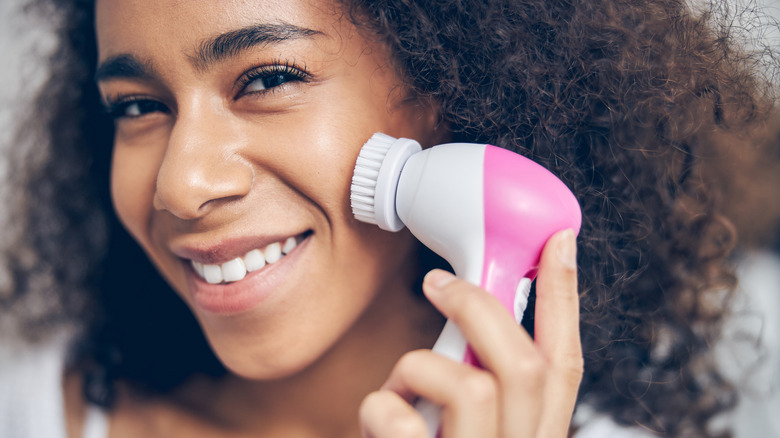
117 107
289 70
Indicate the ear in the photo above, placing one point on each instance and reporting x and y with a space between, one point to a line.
429 116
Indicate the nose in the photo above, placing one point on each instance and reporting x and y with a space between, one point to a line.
202 167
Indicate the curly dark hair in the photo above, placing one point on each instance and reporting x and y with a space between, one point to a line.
630 102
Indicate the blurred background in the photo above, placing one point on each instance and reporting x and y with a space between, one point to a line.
24 46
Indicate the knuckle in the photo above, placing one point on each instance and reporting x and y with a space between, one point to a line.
533 367
479 387
517 354
370 403
405 426
529 373
369 408
378 410
571 371
409 362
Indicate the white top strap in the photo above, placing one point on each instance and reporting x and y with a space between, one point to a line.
31 403
95 423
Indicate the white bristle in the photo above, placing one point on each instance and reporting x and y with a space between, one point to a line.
369 219
363 211
365 191
373 154
363 187
363 181
365 201
372 196
366 172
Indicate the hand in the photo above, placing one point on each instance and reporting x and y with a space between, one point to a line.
528 387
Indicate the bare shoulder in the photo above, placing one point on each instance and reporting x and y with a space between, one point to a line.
190 411
75 405
136 414
130 416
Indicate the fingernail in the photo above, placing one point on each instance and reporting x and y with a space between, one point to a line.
567 249
439 278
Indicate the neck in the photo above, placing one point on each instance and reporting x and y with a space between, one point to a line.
323 399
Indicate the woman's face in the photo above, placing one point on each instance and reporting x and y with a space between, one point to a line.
238 126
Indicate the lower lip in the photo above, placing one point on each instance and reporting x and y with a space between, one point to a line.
243 295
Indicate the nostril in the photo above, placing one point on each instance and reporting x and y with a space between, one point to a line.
215 203
191 188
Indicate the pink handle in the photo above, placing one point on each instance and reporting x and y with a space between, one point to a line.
525 204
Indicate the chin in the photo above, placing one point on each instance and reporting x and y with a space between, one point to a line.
265 357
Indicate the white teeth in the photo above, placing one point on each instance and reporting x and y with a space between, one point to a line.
254 260
289 245
236 269
273 252
198 268
212 273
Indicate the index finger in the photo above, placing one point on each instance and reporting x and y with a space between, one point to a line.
557 332
557 315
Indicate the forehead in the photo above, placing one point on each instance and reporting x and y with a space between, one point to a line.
149 26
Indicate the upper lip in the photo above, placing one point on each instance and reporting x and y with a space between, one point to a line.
221 251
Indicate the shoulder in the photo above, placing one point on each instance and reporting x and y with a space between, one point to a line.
75 406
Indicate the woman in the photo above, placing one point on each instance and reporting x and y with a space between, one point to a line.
235 130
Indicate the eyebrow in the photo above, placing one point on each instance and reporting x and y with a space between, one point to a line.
209 52
231 44
122 67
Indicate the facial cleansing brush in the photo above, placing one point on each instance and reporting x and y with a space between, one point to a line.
484 209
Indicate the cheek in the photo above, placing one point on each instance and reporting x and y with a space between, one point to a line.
133 175
314 153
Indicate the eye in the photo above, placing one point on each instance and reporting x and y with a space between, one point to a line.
267 82
266 78
134 107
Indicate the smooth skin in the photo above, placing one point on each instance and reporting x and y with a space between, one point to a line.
216 153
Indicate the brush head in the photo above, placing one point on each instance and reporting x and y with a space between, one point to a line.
375 180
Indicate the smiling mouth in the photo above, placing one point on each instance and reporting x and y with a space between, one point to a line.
254 260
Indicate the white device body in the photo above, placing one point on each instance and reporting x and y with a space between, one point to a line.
439 194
